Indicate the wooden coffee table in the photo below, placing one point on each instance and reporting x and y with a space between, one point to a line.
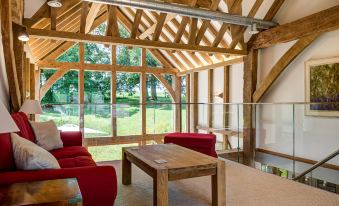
60 192
181 163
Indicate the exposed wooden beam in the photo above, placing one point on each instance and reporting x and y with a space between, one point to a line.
282 64
226 100
193 30
177 107
210 88
69 36
32 82
83 18
194 101
213 66
92 14
167 86
250 73
184 21
323 21
53 18
137 19
49 83
112 22
7 41
241 30
205 23
20 57
114 91
150 30
143 100
273 10
160 23
188 101
236 6
107 67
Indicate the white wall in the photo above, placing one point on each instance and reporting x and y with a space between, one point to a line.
315 137
4 98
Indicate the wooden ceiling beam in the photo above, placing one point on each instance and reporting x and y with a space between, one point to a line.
83 17
241 30
112 22
160 24
150 30
233 8
193 30
77 37
213 66
53 18
323 21
92 15
282 64
137 19
205 23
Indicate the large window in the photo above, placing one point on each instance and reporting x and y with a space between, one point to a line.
97 108
61 101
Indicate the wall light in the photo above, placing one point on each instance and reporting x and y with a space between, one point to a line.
54 3
23 35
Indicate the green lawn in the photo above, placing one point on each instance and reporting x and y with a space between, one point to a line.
159 119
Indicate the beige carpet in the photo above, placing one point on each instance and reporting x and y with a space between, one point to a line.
245 186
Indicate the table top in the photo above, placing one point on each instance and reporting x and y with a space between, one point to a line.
65 191
176 157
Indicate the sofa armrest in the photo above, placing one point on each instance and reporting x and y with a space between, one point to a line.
97 184
71 138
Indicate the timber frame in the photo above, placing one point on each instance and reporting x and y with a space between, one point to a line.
183 45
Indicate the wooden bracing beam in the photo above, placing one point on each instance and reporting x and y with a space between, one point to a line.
205 23
137 19
83 17
76 37
282 64
92 14
49 83
167 86
112 22
150 30
234 7
323 21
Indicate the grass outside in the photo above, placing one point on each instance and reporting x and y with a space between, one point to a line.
97 119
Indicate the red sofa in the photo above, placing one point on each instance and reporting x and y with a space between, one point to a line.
98 184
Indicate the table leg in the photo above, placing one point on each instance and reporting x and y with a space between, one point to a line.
219 185
160 188
126 170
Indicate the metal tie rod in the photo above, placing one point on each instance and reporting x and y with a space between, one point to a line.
189 12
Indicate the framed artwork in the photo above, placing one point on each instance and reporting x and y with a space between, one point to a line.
322 87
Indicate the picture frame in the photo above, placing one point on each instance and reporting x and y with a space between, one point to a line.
322 87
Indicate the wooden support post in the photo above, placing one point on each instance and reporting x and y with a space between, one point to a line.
22 79
20 57
210 99
32 81
177 101
194 101
226 99
143 99
37 83
114 92
250 76
82 89
7 41
27 78
188 101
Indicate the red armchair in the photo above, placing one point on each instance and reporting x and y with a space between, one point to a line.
98 184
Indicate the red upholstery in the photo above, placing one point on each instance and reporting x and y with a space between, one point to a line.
68 152
98 184
81 161
6 153
71 138
26 130
204 143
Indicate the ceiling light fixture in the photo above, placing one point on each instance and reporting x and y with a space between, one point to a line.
254 29
23 35
54 3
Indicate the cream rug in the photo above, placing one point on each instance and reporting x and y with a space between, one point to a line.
244 186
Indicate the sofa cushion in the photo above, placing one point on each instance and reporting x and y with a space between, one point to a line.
22 122
29 156
47 135
69 152
191 139
6 153
81 161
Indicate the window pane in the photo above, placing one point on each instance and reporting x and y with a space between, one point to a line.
128 109
128 56
97 108
71 55
97 54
